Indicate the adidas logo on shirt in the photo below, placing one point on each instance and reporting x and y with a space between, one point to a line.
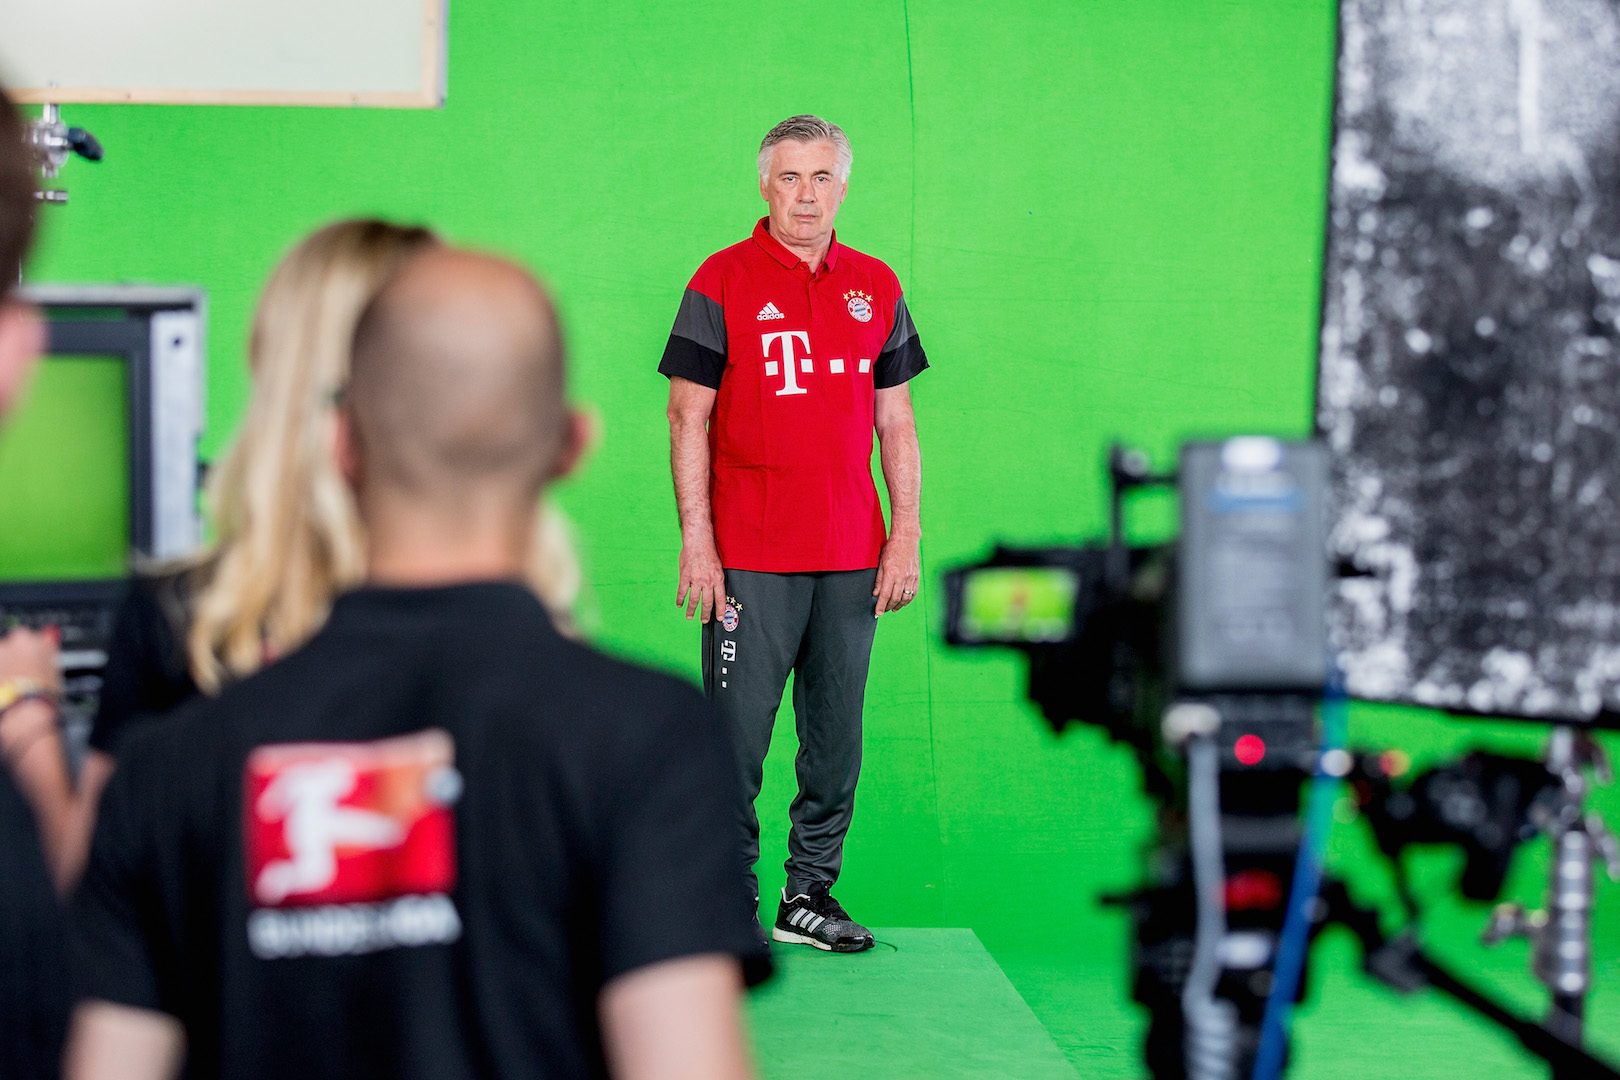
769 312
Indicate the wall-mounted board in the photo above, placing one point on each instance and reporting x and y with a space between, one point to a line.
388 53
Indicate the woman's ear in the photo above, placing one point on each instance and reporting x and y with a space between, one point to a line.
346 448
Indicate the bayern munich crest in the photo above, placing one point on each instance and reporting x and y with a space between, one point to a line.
731 616
860 306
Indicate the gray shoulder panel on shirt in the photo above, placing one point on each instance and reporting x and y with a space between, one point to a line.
903 329
702 320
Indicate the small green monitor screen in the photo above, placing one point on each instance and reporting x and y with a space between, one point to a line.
1019 603
64 473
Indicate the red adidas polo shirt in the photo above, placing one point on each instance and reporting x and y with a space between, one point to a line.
796 358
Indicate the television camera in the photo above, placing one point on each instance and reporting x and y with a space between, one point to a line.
1208 658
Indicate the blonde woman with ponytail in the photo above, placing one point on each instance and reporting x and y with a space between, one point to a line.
286 536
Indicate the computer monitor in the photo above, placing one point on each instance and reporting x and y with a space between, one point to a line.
65 474
98 459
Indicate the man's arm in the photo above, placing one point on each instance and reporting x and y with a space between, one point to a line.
675 1020
900 566
31 745
117 1042
703 582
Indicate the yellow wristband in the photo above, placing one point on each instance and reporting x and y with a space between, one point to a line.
21 688
14 692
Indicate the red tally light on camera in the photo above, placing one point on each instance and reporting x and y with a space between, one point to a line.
1249 749
1254 890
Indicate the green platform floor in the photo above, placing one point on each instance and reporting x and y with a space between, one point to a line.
935 1003
923 1003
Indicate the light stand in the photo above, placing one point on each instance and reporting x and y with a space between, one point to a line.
52 142
1561 935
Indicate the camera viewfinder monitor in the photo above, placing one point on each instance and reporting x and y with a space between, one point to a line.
1018 604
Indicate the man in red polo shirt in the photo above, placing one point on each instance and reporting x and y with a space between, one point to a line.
788 352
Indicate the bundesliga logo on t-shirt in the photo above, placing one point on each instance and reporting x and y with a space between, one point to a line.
351 846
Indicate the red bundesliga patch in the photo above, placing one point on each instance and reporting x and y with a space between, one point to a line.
341 823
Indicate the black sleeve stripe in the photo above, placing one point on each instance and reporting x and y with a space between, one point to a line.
901 365
902 329
702 320
689 360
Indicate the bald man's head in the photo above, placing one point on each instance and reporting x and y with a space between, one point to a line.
456 391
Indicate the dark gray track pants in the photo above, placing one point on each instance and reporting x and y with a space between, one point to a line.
819 626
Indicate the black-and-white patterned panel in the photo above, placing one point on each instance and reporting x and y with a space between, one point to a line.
1469 380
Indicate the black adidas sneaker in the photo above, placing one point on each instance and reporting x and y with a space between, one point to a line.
815 918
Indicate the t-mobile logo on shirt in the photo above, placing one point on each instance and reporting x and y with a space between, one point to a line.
365 825
792 366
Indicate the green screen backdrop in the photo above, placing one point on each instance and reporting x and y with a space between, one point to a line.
1107 216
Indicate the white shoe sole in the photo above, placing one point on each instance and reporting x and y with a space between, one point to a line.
791 938
800 939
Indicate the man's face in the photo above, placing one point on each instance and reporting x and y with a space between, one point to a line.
22 339
803 190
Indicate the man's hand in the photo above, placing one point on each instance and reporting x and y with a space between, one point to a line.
703 581
28 655
31 746
31 654
899 570
899 567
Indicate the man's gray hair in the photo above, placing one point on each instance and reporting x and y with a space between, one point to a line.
808 129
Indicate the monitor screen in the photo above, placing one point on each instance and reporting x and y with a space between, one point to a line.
65 473
1018 604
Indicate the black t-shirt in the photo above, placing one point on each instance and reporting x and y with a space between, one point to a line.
33 975
147 673
417 847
